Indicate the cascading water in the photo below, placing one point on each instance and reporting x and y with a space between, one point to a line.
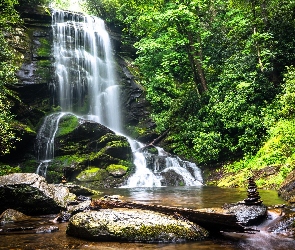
86 84
84 68
45 141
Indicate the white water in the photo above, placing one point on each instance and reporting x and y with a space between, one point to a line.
84 68
45 141
86 83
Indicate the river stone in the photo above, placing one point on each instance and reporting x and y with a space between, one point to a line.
11 215
248 215
80 190
132 225
30 194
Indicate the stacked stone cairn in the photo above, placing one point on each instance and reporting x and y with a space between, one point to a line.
253 195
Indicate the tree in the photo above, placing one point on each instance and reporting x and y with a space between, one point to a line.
8 61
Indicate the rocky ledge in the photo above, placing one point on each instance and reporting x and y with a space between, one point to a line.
133 225
32 195
287 189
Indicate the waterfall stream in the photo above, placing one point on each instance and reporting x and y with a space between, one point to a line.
86 83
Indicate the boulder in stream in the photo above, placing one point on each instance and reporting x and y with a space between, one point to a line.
30 194
11 215
247 215
133 225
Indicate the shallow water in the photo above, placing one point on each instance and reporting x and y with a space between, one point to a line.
190 197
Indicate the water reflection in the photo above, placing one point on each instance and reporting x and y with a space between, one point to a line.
190 197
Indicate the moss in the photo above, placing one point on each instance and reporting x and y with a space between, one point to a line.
164 233
114 167
68 159
92 174
45 48
29 166
118 144
67 124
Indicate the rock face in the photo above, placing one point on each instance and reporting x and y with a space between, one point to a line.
132 225
287 189
30 194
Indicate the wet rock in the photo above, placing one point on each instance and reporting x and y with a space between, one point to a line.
46 229
63 216
30 194
132 225
287 189
248 215
284 224
92 150
80 190
79 207
11 215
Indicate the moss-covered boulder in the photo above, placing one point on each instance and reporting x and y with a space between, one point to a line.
132 225
30 194
89 153
117 170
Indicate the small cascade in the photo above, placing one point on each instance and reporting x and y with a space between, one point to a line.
161 169
143 176
45 141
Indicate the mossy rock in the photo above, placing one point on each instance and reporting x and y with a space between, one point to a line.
29 166
92 174
117 170
67 124
133 225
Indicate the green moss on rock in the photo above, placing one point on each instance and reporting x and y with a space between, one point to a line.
133 225
67 124
117 170
92 174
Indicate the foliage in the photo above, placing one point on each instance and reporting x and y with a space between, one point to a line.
212 71
8 65
278 151
6 169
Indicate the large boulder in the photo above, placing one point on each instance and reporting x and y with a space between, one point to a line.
89 153
132 225
30 194
287 189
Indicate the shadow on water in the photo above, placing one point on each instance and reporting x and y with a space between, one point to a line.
190 197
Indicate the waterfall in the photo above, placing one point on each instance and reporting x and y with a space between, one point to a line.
45 141
84 68
86 85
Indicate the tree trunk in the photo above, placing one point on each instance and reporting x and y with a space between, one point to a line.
212 221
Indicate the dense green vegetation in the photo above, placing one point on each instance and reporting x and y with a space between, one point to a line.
218 75
8 61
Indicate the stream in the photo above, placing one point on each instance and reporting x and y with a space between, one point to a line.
190 197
